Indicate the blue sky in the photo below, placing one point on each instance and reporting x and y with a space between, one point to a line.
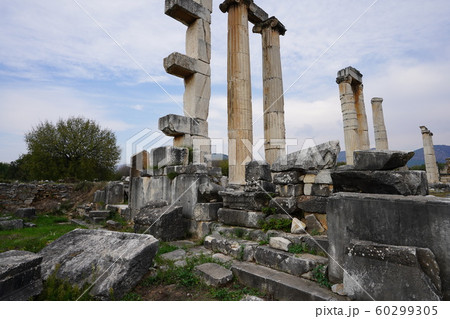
55 62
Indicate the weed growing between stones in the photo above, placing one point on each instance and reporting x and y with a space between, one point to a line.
305 249
269 210
320 276
276 224
172 175
56 289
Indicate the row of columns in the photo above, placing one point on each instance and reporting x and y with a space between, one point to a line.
240 122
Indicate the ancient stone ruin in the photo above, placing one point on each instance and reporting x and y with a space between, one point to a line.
296 226
430 156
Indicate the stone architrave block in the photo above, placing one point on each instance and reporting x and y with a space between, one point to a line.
187 11
245 200
349 71
213 274
234 217
20 275
416 221
258 186
321 190
29 212
257 171
280 243
397 273
115 261
168 156
206 211
381 182
375 160
165 223
319 157
177 125
255 13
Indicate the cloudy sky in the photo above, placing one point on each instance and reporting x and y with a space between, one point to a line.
102 59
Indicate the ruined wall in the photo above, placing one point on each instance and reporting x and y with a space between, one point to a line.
13 196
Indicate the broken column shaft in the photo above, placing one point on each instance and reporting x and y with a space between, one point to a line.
430 156
381 140
356 130
274 125
240 126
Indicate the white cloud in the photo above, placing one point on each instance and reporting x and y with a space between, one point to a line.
137 107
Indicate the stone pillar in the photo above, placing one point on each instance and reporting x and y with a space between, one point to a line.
447 161
274 126
381 140
240 125
430 157
356 130
194 68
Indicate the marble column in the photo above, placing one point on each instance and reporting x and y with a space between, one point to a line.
430 156
381 140
356 132
240 125
273 99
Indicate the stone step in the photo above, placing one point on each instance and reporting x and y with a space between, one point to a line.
237 248
213 274
280 285
318 243
294 264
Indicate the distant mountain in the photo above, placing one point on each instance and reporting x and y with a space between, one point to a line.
442 153
218 157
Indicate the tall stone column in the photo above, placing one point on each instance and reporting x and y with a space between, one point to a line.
274 125
430 156
381 140
447 164
356 131
240 125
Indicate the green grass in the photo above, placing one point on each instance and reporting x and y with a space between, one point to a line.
276 224
34 239
305 249
321 277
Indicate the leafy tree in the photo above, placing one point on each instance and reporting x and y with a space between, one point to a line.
73 149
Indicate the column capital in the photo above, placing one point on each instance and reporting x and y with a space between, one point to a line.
273 23
377 100
425 130
351 72
224 6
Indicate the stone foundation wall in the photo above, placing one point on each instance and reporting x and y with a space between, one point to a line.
14 196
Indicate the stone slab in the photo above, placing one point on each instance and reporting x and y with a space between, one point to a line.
381 182
290 190
391 273
213 274
168 156
20 275
11 224
165 223
416 221
322 156
117 261
242 218
258 186
373 160
29 212
280 243
285 178
206 211
183 66
312 204
280 285
284 205
245 200
288 262
174 255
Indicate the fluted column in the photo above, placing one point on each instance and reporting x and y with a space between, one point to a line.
273 99
240 125
356 132
381 139
430 156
